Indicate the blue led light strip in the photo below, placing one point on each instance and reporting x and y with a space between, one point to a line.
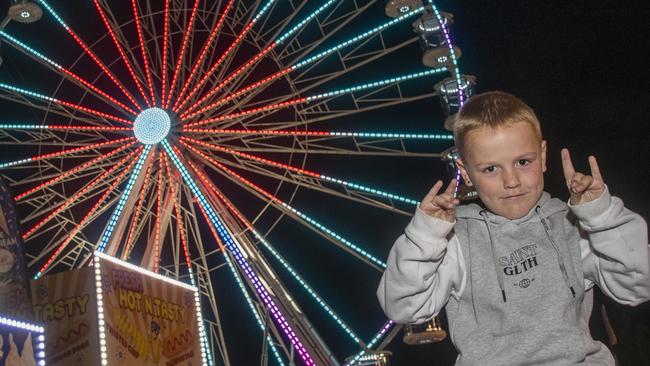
375 84
286 265
262 11
65 71
389 324
251 306
357 38
232 246
304 21
306 218
309 290
117 212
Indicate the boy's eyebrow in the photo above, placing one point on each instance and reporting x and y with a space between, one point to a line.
532 154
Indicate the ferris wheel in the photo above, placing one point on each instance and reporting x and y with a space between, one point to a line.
187 137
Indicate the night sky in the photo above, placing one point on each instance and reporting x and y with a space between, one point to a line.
581 65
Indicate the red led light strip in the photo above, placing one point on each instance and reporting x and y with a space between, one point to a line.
164 60
156 243
242 91
121 51
182 53
73 171
96 90
71 200
249 112
91 111
143 49
177 211
203 53
250 157
88 128
213 68
256 132
227 80
83 221
79 149
138 207
99 63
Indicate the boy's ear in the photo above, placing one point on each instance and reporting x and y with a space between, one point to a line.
543 156
463 172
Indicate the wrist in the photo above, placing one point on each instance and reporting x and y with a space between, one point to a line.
588 211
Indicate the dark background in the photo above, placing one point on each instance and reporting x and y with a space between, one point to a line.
583 67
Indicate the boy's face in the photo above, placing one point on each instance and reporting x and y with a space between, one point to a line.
506 165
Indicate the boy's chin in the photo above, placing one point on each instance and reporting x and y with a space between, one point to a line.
513 210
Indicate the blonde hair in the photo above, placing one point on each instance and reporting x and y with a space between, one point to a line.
492 109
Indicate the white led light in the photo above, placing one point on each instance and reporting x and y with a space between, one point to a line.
152 126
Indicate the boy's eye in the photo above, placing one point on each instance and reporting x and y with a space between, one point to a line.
523 162
489 169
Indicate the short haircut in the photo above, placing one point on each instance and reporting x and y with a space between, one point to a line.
492 109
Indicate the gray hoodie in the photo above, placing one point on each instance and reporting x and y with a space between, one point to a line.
519 291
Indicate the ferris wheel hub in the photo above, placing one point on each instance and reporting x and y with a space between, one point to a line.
152 125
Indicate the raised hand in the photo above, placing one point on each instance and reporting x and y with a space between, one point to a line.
441 206
583 188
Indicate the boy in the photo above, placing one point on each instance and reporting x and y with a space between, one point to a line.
517 272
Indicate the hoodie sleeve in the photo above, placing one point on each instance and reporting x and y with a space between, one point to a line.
425 266
614 245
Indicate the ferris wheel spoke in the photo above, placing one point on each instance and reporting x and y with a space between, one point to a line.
296 48
249 226
65 152
144 52
86 218
233 248
177 212
166 35
350 61
180 103
74 78
65 128
89 51
73 171
117 212
63 103
130 237
159 209
181 54
315 97
299 216
242 287
204 51
49 108
313 59
359 195
120 50
309 173
78 195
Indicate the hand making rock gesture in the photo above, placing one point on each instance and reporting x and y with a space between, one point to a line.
441 206
583 188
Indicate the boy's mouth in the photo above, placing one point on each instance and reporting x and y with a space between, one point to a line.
514 196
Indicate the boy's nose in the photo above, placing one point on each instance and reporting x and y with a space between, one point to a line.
510 179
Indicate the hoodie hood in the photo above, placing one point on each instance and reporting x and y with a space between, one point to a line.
547 207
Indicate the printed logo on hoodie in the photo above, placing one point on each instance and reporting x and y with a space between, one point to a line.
520 260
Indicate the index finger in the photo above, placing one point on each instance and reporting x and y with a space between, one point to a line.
567 165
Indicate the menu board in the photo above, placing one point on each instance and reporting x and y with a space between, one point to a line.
65 304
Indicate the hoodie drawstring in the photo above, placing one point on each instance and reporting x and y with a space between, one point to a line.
494 258
560 260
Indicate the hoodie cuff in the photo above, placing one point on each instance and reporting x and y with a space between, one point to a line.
429 227
589 212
